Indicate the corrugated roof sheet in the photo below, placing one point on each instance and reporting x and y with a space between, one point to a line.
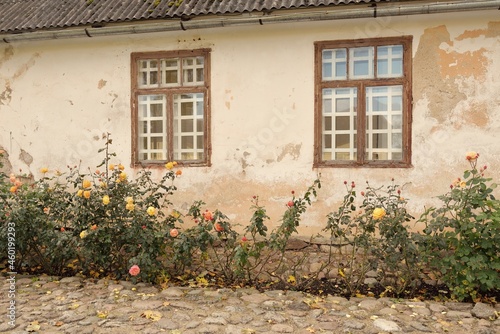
29 15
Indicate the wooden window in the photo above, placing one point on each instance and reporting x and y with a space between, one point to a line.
363 103
171 112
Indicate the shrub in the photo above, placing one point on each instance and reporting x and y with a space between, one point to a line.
375 237
461 240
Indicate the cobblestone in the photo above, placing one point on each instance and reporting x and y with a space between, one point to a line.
75 305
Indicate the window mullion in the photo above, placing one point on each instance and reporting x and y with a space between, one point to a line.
361 123
170 126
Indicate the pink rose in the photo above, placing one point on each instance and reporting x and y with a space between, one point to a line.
134 270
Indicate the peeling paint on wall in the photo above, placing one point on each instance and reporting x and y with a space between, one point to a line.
5 162
291 150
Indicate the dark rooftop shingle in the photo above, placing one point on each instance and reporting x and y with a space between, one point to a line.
28 15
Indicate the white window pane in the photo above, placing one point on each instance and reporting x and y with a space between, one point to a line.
390 61
193 71
339 124
361 63
152 120
383 123
334 66
188 126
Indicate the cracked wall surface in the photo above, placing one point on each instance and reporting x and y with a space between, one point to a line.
59 98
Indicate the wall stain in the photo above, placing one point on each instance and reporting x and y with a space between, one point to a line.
6 94
25 157
8 52
101 84
26 66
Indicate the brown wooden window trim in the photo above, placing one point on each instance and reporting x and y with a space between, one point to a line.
405 81
170 92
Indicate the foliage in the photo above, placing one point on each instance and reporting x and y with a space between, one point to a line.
375 237
104 223
461 239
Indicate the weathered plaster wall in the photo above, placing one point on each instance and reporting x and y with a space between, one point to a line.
57 99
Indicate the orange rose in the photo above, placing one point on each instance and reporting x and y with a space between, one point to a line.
134 270
174 232
86 184
208 215
218 227
86 194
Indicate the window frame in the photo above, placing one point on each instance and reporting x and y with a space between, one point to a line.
170 91
361 85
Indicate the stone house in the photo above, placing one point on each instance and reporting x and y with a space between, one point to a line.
255 97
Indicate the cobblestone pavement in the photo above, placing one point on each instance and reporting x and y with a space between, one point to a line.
74 305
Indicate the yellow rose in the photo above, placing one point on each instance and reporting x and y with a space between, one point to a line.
121 167
169 165
378 213
86 194
175 214
129 199
130 206
471 156
463 184
123 176
79 193
44 170
111 167
151 211
103 184
105 200
86 184
83 234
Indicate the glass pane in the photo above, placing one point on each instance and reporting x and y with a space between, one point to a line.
379 122
328 141
327 70
144 143
156 110
342 141
326 156
382 67
188 76
156 127
379 140
342 105
187 142
397 156
157 143
171 77
186 108
342 156
397 122
397 140
200 143
379 103
361 68
199 75
327 123
187 125
342 123
199 125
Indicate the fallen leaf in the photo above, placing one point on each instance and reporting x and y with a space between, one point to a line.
151 315
74 306
33 327
102 315
166 303
59 323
